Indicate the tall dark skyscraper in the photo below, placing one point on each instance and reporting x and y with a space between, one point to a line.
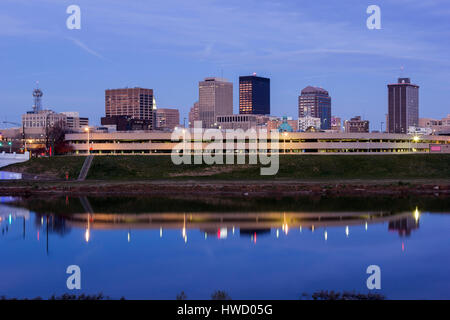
315 102
403 106
254 95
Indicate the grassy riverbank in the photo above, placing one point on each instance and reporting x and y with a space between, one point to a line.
49 168
292 167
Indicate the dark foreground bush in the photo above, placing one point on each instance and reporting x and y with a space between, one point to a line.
331 295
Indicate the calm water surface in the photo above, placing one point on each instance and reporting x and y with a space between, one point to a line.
155 248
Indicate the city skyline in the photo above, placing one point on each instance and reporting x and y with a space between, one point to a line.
301 109
354 65
244 150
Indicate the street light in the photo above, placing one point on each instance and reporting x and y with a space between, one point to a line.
415 139
88 149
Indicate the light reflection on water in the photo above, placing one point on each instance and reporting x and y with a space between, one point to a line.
5 175
251 255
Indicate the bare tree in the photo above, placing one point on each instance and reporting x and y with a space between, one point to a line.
56 139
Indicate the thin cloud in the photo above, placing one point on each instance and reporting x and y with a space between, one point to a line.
85 48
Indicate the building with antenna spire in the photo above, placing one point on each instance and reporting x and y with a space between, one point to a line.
37 96
37 122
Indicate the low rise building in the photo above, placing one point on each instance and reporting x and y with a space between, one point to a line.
37 124
307 123
125 123
157 142
273 123
419 130
336 124
194 114
437 126
356 125
241 121
167 119
74 122
285 126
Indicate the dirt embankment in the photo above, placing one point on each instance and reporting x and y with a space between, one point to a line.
227 188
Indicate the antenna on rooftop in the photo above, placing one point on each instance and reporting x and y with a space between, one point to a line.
37 96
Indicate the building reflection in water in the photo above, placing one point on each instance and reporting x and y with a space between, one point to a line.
251 225
405 226
10 215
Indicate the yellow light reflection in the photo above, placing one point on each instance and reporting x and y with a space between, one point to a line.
285 228
416 215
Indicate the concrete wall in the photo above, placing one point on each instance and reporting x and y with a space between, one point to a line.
10 158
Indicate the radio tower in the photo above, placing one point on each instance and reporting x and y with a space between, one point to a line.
37 95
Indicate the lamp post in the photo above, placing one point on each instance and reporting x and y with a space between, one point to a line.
46 133
88 149
23 137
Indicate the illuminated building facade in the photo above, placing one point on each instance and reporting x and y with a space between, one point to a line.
254 95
